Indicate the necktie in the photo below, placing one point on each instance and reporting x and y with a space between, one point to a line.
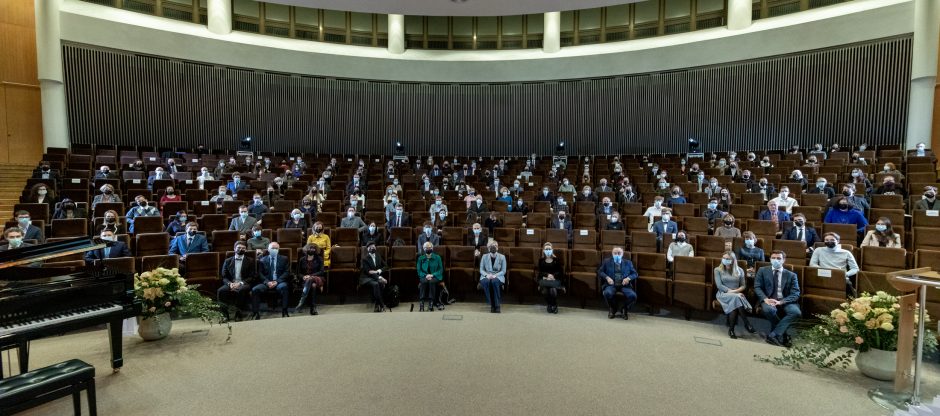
799 234
773 216
107 252
273 268
189 242
776 284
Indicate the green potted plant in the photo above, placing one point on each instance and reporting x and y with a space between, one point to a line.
867 325
163 291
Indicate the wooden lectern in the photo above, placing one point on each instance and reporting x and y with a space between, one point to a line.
913 285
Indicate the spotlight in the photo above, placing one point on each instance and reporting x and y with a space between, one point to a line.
693 145
561 147
245 144
399 147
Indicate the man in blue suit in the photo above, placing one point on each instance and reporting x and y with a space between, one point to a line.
665 226
158 174
617 274
772 208
778 291
29 231
114 249
801 232
236 185
188 243
273 270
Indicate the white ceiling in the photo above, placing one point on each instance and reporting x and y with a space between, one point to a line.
453 7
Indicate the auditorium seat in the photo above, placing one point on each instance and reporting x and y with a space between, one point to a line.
344 271
293 238
212 222
167 261
762 229
405 234
530 237
585 239
883 259
684 210
151 244
522 273
462 273
795 250
814 200
510 220
847 233
506 237
691 285
73 227
402 272
557 237
148 225
583 265
230 208
612 238
202 208
887 201
329 219
822 294
203 269
121 264
710 246
695 225
643 242
224 240
345 237
452 236
103 207
813 214
537 220
36 211
584 221
653 283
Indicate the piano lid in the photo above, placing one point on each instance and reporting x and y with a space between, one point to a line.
30 254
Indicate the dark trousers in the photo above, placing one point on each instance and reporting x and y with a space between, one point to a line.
310 290
491 288
427 290
610 293
375 291
778 326
551 295
225 295
282 289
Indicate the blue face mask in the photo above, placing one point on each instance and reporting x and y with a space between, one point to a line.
257 234
548 252
776 263
881 227
726 262
476 232
272 251
617 258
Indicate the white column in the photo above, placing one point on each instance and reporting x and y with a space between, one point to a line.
739 14
55 127
551 32
923 71
396 33
220 16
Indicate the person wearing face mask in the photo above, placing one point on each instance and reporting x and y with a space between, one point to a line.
603 187
726 228
67 209
428 235
694 172
221 196
675 197
750 252
41 193
561 204
605 209
356 203
430 270
311 270
45 171
713 188
113 250
351 220
308 207
398 218
860 180
178 224
190 242
238 277
920 150
371 235
835 257
477 238
562 221
928 201
492 222
158 175
889 186
237 184
662 188
111 221
785 201
800 231
274 272
883 235
858 159
551 274
372 268
616 274
778 291
664 226
614 223
105 172
746 178
731 286
545 195
297 220
255 239
477 210
243 221
819 151
257 207
356 182
812 162
567 187
822 187
504 196
169 195
13 239
679 247
586 195
857 202
493 268
844 213
107 195
763 187
797 177
713 214
890 170
628 195
654 211
140 209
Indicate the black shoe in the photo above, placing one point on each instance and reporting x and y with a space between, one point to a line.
750 329
376 308
256 316
284 313
492 309
731 333
440 306
497 309
300 305
785 340
238 316
626 315
774 341
611 314
313 310
430 307
421 309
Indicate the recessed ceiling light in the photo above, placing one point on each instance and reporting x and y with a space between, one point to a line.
459 1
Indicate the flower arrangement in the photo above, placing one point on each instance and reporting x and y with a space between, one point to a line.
164 291
863 323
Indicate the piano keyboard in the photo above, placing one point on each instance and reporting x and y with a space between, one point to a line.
58 318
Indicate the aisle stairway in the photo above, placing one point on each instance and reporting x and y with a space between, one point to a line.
12 180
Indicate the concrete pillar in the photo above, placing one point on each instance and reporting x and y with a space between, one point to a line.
923 72
739 14
220 16
551 37
396 33
55 126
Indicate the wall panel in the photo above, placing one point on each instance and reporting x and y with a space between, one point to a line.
848 94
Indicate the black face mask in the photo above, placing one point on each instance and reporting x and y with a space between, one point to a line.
108 192
142 204
680 239
240 252
492 249
830 244
799 223
930 196
428 251
372 250
846 193
889 185
69 206
843 207
310 252
191 232
318 229
45 168
729 223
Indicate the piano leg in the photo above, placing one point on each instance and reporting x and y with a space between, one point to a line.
22 349
117 354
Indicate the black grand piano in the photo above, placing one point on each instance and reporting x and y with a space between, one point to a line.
37 302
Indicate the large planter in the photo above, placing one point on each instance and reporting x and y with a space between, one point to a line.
154 328
877 364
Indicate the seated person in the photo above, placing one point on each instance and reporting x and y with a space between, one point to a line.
178 225
221 196
351 220
586 195
107 195
322 241
773 213
238 277
428 236
311 270
749 252
892 170
883 235
189 243
822 187
40 193
616 274
257 208
371 235
437 207
679 247
243 222
727 230
430 269
67 208
665 225
835 257
158 175
731 288
675 197
477 238
29 231
371 268
551 274
113 250
236 184
785 201
505 197
802 232
298 221
562 222
844 213
399 218
765 188
142 209
112 222
654 211
778 291
255 239
889 187
274 272
928 201
493 268
492 222
713 214
614 223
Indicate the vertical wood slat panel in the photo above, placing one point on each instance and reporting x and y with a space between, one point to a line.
849 94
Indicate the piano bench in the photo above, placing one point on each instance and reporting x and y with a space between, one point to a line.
28 390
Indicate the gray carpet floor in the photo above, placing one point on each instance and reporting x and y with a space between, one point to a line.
465 360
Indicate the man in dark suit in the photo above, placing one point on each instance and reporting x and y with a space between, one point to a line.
115 249
13 238
243 222
104 172
399 218
822 187
477 237
30 231
45 171
428 235
801 232
273 270
562 222
665 226
778 291
238 277
189 243
774 213
158 175
235 185
764 187
372 267
617 274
